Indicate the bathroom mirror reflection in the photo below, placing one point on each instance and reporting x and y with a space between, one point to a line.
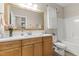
29 19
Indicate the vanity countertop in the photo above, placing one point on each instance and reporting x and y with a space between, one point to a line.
22 37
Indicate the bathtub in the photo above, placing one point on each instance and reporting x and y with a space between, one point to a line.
72 46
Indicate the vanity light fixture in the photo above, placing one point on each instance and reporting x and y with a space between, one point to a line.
30 6
35 5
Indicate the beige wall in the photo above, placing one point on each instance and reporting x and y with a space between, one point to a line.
71 11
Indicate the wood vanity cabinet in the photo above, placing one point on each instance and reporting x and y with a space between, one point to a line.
11 48
32 50
32 47
47 46
39 46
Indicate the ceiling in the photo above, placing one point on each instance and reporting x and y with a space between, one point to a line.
67 4
60 4
64 4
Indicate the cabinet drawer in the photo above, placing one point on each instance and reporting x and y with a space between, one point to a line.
31 41
11 52
9 44
37 40
47 38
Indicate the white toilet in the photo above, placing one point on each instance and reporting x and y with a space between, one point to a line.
59 47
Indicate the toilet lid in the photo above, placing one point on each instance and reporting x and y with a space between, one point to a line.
59 44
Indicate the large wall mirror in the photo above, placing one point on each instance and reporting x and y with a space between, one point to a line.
24 18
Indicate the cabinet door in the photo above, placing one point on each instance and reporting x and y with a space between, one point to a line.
38 49
47 46
48 50
27 50
11 52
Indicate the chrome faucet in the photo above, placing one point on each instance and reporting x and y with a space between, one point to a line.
22 28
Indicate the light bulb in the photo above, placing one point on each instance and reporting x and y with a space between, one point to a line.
29 4
35 6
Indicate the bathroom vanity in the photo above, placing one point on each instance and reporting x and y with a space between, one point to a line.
24 20
35 45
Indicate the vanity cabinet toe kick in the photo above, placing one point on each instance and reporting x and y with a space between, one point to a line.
40 46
